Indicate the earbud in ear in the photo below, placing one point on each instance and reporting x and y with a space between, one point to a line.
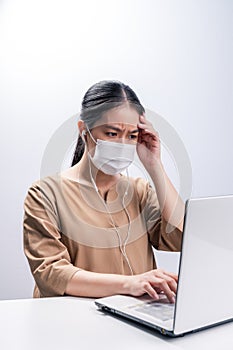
83 134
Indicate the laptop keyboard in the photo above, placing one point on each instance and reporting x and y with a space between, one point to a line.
159 309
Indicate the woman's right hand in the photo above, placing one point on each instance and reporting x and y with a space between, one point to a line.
152 283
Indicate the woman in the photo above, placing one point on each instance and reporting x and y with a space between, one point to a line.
89 230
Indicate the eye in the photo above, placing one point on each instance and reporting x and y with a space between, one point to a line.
111 134
133 137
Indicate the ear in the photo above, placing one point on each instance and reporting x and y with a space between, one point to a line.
82 129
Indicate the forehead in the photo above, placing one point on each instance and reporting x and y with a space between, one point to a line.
121 115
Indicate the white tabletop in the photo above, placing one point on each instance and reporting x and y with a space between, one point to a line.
75 323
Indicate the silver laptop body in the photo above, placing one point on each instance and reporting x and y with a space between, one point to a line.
205 286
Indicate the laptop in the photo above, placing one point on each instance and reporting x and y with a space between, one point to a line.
205 285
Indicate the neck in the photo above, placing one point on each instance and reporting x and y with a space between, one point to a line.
101 179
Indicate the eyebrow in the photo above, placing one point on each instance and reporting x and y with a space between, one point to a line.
118 129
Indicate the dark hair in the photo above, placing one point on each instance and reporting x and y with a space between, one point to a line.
100 98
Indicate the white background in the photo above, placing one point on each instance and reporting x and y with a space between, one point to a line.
177 56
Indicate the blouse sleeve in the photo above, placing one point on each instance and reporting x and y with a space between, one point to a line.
48 257
162 235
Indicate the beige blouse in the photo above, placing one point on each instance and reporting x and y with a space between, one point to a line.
67 227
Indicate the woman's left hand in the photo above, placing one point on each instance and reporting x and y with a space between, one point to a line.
148 146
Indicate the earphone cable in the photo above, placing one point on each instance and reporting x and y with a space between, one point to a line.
122 246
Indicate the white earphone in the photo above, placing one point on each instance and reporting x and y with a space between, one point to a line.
83 134
122 245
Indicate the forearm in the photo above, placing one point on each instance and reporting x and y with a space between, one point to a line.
172 206
91 284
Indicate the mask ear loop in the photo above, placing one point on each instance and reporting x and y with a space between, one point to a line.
91 135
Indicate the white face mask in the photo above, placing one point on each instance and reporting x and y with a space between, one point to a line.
112 157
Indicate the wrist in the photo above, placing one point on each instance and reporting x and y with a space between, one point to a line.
126 284
155 166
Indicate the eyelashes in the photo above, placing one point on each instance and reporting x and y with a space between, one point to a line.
114 134
111 134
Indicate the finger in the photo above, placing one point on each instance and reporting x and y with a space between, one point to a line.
173 275
149 138
151 144
168 292
151 291
163 285
172 284
139 137
145 129
145 126
143 121
170 281
142 118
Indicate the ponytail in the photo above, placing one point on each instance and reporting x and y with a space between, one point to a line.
79 150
